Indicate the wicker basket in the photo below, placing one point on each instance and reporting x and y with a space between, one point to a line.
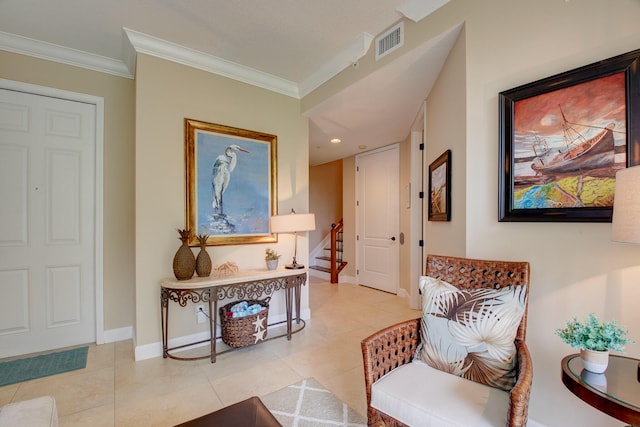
243 331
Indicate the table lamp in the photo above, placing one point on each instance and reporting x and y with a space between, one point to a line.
293 223
625 226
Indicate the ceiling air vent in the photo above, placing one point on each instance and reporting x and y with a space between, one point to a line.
390 40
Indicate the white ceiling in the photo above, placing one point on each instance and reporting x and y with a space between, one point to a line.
298 44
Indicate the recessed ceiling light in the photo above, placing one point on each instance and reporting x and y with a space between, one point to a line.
362 147
336 141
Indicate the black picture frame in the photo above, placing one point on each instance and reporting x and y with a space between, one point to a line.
440 188
545 192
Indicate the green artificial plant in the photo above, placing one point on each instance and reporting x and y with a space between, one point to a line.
594 335
270 255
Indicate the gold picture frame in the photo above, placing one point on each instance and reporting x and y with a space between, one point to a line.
231 183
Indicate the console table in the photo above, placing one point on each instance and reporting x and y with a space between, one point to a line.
616 392
247 284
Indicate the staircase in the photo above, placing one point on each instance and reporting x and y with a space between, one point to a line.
331 262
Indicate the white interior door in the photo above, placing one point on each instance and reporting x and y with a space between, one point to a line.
377 215
47 223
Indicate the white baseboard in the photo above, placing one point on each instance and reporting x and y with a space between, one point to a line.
347 279
402 293
319 274
326 276
149 351
120 334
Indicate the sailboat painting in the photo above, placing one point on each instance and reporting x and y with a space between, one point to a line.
564 137
568 145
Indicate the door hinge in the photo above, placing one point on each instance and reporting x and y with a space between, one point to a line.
421 194
422 146
421 243
357 237
357 272
357 168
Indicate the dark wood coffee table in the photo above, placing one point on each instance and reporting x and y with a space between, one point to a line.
248 413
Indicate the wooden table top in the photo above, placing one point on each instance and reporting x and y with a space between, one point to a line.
616 392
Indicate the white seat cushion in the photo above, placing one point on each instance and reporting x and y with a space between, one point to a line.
38 412
421 396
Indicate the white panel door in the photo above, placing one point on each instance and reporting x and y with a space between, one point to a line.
377 214
47 223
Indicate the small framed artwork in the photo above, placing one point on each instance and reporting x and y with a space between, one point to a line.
231 182
563 138
440 188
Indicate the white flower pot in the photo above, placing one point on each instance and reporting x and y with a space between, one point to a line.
272 264
595 361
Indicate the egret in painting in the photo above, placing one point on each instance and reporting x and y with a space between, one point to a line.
222 168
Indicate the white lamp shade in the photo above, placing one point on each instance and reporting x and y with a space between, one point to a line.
626 206
293 222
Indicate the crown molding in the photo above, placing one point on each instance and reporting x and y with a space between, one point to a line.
149 45
417 10
348 57
134 42
52 52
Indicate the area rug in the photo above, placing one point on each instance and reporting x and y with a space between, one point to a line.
309 404
30 368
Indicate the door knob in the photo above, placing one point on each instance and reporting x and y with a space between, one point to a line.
392 238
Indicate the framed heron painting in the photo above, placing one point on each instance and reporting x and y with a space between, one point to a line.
231 183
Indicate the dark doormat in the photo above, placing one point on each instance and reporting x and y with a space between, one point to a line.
29 368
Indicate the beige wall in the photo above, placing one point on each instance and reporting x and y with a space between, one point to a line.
118 166
148 138
576 269
445 130
325 199
166 93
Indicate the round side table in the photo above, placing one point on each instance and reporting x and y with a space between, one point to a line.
616 392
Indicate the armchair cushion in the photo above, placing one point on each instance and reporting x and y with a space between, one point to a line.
37 412
470 333
418 395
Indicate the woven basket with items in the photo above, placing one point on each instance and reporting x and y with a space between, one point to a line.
244 322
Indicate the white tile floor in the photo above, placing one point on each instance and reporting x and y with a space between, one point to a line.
115 390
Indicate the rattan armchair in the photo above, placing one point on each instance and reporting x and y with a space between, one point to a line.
395 345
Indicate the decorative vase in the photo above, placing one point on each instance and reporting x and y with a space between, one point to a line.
272 264
184 262
203 261
595 361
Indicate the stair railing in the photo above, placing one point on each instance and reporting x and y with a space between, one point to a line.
335 263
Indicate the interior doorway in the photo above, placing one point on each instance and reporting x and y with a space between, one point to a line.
50 231
377 218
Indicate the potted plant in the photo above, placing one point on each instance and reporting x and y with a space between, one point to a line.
594 339
271 257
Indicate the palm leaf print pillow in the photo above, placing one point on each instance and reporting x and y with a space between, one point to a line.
470 332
